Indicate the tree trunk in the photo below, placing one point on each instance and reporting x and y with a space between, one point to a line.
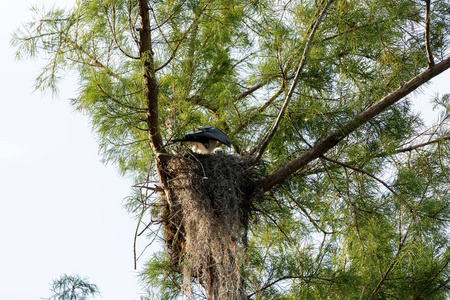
148 72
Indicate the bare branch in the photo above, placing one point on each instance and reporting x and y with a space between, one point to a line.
381 154
249 91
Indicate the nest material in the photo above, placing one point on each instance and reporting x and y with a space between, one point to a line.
206 223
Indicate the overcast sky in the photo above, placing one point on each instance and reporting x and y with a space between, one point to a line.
60 207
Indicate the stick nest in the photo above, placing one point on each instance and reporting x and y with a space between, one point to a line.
206 213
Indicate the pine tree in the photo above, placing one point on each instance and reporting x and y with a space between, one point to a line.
346 190
72 287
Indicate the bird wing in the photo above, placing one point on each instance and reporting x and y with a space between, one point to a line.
215 134
204 135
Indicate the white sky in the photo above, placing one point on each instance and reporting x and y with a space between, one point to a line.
60 208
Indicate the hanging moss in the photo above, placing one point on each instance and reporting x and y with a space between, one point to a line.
206 218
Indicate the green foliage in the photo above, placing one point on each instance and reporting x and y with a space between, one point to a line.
157 274
369 220
72 288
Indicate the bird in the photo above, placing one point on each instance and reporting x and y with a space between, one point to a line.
205 139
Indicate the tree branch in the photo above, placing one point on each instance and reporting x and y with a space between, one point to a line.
414 147
151 86
259 110
334 138
360 171
390 267
92 58
312 30
112 98
427 34
305 212
433 278
112 27
275 282
442 285
382 154
193 24
250 91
